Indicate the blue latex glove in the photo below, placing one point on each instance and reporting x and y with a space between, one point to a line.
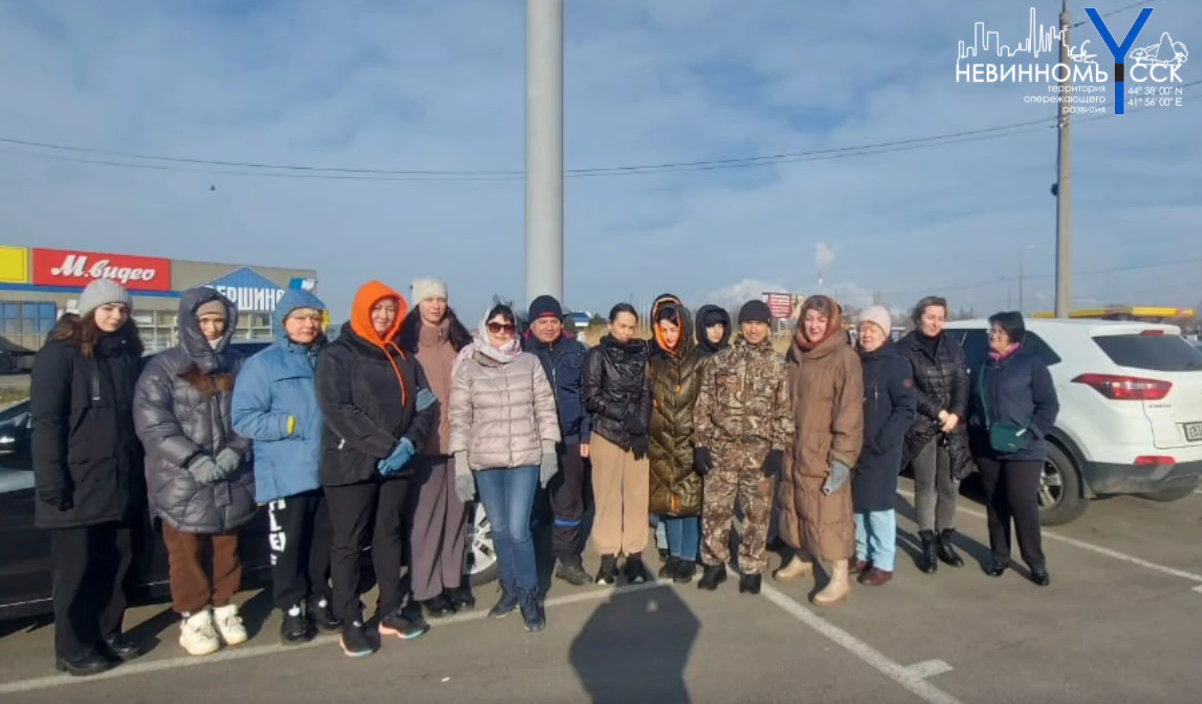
425 399
401 454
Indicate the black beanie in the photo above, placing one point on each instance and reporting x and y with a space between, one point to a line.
755 311
545 307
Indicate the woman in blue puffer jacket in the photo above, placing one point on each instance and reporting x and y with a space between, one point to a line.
275 405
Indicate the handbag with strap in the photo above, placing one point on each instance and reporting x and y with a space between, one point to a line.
1005 438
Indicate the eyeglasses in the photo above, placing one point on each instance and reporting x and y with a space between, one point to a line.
498 328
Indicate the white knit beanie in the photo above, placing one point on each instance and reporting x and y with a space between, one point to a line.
428 288
880 316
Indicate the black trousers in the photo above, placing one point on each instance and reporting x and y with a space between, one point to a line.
567 490
1012 493
300 549
90 568
357 511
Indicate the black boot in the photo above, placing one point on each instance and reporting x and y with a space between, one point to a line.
608 574
1040 576
750 583
996 566
670 568
507 603
712 577
533 615
438 607
572 571
947 552
121 648
294 627
84 664
461 597
928 562
635 571
685 571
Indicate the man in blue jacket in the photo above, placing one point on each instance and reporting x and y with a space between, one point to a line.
563 361
275 405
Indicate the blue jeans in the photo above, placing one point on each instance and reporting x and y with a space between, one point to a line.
684 536
876 538
508 496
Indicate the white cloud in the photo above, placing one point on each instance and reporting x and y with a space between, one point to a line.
824 256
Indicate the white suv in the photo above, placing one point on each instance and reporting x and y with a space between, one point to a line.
1130 417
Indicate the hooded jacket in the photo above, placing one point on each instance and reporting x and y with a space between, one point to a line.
563 362
182 411
83 440
275 391
502 407
367 389
675 385
889 405
654 347
615 384
707 315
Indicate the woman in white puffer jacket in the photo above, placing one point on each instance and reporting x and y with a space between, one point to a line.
504 429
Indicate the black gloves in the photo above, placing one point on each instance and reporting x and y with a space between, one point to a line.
633 424
60 497
774 463
703 460
639 444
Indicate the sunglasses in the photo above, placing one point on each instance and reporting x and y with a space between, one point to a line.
498 328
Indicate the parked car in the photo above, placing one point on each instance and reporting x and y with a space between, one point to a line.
1130 417
25 568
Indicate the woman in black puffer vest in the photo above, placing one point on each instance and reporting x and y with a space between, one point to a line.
617 395
87 466
198 473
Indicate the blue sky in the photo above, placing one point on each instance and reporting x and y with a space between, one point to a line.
438 85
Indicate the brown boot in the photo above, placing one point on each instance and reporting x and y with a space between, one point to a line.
838 588
875 577
859 566
796 568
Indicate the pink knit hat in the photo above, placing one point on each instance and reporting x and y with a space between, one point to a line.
880 316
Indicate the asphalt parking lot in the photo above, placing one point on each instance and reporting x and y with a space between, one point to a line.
1119 624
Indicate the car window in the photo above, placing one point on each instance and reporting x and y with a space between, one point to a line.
1160 353
976 347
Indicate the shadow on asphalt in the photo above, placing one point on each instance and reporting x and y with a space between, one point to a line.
150 633
617 664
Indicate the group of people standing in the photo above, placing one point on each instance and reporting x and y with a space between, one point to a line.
381 438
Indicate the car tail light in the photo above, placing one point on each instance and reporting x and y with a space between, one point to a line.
1154 461
1126 388
1153 333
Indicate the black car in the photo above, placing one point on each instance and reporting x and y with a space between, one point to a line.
25 569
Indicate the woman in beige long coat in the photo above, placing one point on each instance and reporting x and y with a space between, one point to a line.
827 392
504 428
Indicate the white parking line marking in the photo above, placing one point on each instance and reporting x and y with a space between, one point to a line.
908 677
1115 554
243 652
929 668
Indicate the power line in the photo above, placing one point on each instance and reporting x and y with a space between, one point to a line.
1115 11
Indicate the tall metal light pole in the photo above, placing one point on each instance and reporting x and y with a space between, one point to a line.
1064 188
544 148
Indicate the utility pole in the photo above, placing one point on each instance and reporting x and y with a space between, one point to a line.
1064 189
544 149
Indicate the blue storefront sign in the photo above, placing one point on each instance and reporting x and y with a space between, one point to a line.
249 290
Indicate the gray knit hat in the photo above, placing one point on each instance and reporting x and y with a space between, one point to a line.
102 292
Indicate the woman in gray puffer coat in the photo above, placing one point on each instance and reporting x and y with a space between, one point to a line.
504 428
199 481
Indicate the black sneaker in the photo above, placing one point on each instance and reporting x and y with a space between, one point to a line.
533 614
294 629
438 607
670 568
750 583
712 577
121 648
685 571
608 574
396 624
508 602
84 665
461 598
355 643
635 572
572 572
322 615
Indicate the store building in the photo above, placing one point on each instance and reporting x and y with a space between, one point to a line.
38 285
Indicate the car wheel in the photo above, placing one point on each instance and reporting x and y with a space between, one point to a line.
1174 494
1060 497
480 558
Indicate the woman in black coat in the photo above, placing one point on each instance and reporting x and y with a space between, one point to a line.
889 406
617 395
1012 411
88 466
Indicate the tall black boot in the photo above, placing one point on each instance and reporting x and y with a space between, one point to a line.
928 562
947 552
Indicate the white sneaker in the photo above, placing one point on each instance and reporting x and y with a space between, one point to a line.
229 624
196 634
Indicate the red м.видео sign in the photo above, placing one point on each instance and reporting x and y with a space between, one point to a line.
74 269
